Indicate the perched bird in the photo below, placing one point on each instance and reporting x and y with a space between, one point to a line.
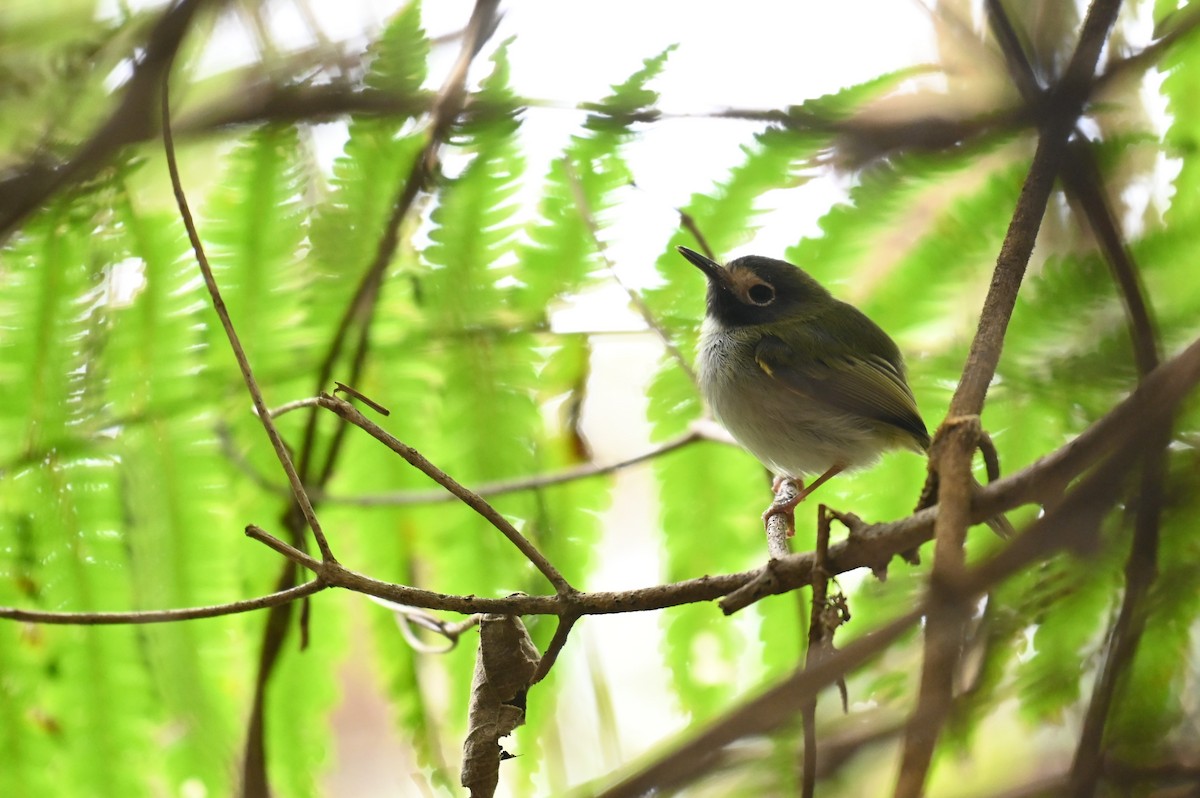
805 382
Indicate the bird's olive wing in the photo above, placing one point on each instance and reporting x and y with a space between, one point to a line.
825 370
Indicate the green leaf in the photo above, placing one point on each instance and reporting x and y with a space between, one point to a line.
586 180
255 244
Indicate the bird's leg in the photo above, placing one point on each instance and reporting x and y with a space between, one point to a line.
833 471
785 505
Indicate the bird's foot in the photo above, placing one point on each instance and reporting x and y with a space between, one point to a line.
787 513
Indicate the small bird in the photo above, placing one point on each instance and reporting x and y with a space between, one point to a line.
807 383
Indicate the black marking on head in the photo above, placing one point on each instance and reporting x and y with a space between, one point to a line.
757 290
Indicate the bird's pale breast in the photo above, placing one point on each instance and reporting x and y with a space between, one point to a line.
791 434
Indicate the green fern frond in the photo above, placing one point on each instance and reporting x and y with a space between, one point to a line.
561 253
473 225
399 60
49 297
255 244
1066 607
378 153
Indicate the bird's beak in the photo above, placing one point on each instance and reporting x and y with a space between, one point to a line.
712 270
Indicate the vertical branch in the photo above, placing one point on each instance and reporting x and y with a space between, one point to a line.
818 639
1082 180
945 623
951 456
1059 114
360 310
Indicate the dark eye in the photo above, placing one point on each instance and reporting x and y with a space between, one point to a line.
761 294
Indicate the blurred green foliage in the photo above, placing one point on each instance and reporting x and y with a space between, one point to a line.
125 440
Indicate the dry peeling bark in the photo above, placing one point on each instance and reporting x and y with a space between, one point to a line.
504 667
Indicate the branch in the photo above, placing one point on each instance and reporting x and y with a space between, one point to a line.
163 616
504 486
1184 22
956 441
131 120
1082 180
260 405
347 412
869 546
1071 525
819 645
566 622
1061 113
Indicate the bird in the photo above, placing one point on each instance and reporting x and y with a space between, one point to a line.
806 383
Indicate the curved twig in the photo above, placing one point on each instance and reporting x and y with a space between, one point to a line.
871 546
163 616
210 282
349 413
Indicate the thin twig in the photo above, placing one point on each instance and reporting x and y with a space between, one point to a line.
869 546
688 222
359 311
288 407
566 622
635 299
287 550
501 487
468 497
498 487
162 616
366 400
817 640
260 405
408 617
